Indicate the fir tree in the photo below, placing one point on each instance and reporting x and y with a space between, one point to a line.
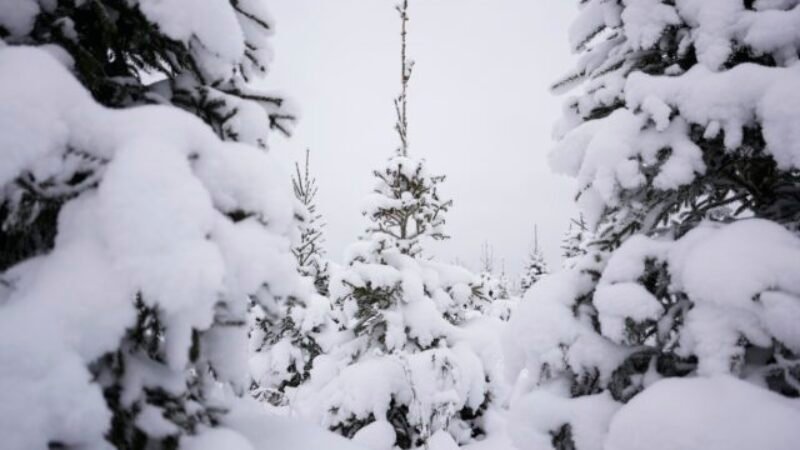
309 251
535 266
173 365
679 117
576 241
382 293
490 284
503 282
286 338
487 258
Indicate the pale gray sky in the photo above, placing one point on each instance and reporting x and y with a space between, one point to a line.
479 112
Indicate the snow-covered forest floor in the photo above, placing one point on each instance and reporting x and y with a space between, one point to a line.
164 282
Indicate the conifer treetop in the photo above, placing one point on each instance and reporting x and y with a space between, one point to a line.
406 68
310 252
405 207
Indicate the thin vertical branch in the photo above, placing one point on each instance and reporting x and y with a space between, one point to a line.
406 66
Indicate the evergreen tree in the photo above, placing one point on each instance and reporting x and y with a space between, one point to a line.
682 113
142 217
503 282
490 284
535 266
487 258
309 251
575 242
399 309
287 337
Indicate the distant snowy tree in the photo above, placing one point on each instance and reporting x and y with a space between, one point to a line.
503 282
576 241
683 142
401 349
135 239
309 251
535 265
491 284
487 258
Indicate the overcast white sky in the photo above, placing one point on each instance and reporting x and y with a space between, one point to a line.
479 112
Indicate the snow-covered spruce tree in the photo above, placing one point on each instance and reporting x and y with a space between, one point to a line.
286 339
687 107
134 239
309 251
403 372
490 283
535 265
504 282
575 242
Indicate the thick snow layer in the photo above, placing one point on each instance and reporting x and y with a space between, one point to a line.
718 413
422 361
741 279
497 436
540 414
442 440
269 432
603 156
215 24
545 338
716 26
645 21
367 388
18 16
725 271
618 302
378 435
612 153
730 100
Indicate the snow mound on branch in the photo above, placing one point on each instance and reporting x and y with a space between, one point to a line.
544 338
613 153
378 435
367 389
536 415
269 432
719 413
728 101
741 279
441 440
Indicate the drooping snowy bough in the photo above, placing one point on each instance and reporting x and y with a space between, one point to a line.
684 144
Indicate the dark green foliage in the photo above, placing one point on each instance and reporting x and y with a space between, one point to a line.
29 207
372 302
115 48
562 438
